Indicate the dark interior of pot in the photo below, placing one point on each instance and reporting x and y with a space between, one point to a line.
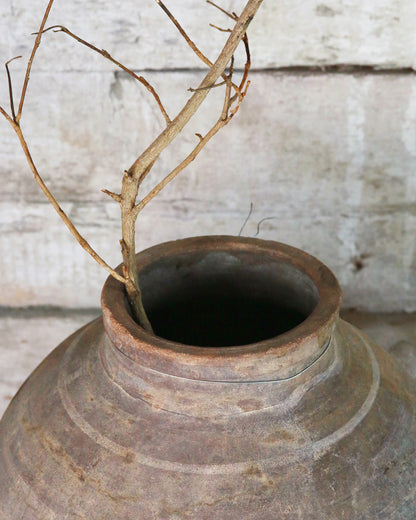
223 299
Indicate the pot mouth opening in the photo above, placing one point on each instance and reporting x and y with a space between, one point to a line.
225 308
224 299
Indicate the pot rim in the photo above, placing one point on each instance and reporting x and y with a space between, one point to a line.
280 357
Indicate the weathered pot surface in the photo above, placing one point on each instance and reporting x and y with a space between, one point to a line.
269 407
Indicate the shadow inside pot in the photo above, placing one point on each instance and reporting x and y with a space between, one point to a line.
225 299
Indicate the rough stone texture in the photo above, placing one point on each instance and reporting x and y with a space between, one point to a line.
330 156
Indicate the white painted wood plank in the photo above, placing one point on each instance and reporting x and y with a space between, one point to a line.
26 339
332 157
284 33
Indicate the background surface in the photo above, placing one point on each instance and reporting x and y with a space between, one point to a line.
325 142
324 147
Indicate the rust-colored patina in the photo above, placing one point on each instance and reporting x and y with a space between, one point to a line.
315 422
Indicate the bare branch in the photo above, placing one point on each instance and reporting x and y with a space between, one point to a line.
209 87
220 28
140 168
173 129
81 240
203 140
32 57
188 40
233 16
107 55
134 176
6 115
9 80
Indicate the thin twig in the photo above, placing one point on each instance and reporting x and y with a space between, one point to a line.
9 80
115 196
233 16
265 219
248 61
227 102
188 40
246 219
220 28
32 57
209 87
107 55
6 115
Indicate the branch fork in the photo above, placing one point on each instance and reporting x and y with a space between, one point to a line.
138 171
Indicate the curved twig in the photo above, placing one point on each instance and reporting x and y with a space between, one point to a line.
107 55
80 239
261 222
246 219
233 16
9 80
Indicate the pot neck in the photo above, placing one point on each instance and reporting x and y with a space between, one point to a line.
214 398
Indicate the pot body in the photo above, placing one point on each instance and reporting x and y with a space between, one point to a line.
315 423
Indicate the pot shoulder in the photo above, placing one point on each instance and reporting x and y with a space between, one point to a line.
76 439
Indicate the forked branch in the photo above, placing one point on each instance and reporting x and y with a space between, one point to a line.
226 115
9 80
141 167
14 121
177 124
134 176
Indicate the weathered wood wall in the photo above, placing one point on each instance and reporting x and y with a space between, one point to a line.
325 142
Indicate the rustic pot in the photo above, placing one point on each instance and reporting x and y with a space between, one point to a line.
292 414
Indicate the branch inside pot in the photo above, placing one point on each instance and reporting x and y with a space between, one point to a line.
220 75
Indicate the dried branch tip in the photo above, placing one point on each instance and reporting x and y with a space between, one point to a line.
115 196
220 28
9 80
107 55
233 15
